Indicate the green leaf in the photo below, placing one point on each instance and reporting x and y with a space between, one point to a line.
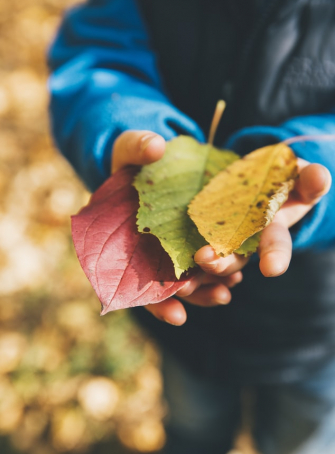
250 245
166 188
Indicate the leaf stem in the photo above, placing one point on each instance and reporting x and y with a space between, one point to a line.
220 107
312 138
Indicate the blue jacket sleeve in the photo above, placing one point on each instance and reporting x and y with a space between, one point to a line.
317 229
104 81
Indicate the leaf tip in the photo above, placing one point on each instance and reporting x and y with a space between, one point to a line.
104 310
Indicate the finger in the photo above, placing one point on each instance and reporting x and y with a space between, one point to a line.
210 295
211 263
275 249
205 279
234 279
170 311
137 148
314 182
229 281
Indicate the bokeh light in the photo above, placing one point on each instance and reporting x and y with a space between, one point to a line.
70 380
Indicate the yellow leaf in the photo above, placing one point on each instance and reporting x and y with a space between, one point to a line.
243 199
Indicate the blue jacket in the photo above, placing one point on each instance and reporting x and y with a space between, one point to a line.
105 81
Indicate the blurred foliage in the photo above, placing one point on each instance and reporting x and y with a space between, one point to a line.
70 381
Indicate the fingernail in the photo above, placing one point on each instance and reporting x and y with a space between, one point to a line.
223 299
207 255
176 318
277 269
326 185
186 290
174 322
326 179
146 140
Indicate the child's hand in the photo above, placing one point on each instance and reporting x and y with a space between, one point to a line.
137 148
210 287
275 249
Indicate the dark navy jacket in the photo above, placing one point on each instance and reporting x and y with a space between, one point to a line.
162 65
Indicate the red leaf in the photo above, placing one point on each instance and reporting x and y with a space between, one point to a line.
126 268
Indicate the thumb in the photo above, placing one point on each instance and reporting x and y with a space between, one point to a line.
313 183
137 148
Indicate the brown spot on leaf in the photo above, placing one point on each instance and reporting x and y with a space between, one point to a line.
241 175
146 230
221 222
149 182
148 205
245 183
260 204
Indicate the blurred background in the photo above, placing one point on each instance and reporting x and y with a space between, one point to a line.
70 380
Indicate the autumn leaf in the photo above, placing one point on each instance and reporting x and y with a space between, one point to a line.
125 268
241 200
250 245
166 187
